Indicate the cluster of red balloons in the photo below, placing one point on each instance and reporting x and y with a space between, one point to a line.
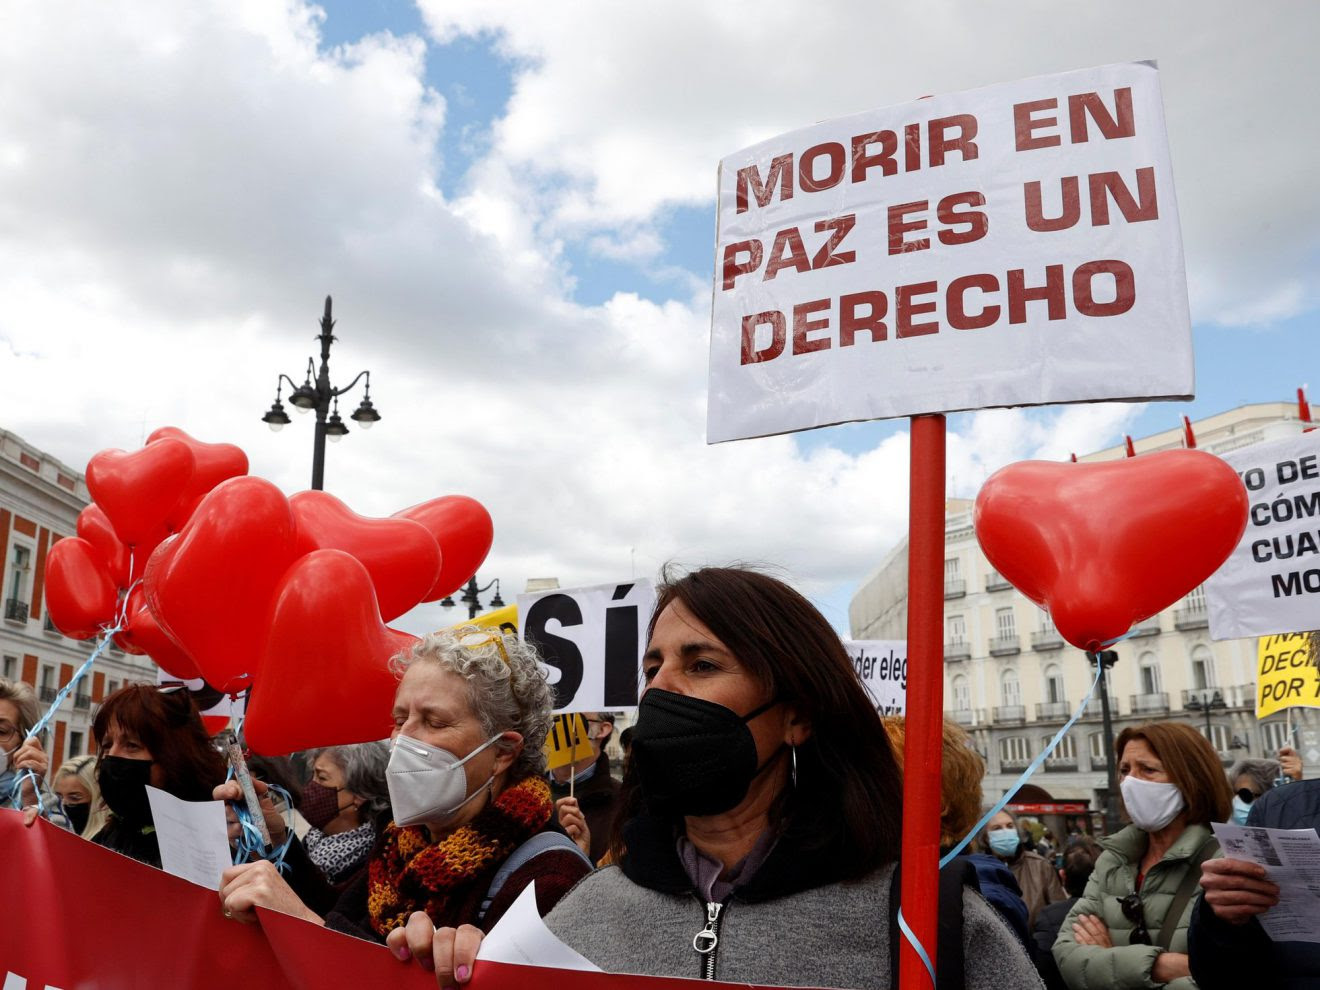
216 574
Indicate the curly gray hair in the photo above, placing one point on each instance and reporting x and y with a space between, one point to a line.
1262 773
507 688
364 766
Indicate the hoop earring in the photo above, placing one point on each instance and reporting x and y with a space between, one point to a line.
793 754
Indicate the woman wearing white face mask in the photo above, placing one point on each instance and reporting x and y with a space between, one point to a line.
469 798
1129 929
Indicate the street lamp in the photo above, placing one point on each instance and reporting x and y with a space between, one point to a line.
1207 704
469 597
1106 659
317 393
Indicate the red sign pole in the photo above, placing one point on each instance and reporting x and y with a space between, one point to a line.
925 699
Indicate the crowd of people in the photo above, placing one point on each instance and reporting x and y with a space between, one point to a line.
748 829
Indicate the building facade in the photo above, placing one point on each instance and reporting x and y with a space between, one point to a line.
1012 681
40 499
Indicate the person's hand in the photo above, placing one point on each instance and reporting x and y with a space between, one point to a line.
30 756
231 793
1237 890
450 952
1169 966
1091 930
574 823
1290 764
248 886
30 814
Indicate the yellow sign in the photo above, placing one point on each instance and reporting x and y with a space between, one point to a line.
1286 674
504 619
567 742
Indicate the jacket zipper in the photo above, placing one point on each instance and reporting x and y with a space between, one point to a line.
707 939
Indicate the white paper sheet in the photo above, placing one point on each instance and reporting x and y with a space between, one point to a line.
521 938
193 838
1291 858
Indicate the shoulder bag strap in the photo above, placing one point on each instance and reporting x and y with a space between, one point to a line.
539 843
1191 879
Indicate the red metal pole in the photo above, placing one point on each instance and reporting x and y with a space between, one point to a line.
925 698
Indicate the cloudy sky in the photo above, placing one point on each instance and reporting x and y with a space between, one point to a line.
512 204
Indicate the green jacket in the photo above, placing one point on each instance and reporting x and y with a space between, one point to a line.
1091 967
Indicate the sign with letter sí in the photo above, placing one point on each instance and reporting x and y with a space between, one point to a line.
1012 245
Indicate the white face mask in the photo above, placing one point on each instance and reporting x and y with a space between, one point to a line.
427 784
1151 805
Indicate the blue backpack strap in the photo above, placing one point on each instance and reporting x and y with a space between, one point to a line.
541 842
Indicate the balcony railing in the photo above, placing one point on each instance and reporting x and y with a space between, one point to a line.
1060 764
48 694
1013 766
1150 627
82 701
1052 710
1143 704
1002 646
957 651
16 610
1202 695
997 582
954 588
1044 640
1191 617
966 716
1010 713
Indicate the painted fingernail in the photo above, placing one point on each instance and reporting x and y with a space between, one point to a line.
462 973
401 953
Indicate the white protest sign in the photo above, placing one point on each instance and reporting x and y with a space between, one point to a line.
1006 246
591 640
882 666
1271 581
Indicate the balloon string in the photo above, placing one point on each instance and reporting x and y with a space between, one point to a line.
249 843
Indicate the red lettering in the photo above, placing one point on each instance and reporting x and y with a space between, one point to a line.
1134 210
839 228
1125 288
1070 210
862 161
1025 122
733 267
911 147
803 325
788 251
775 320
900 225
939 142
1116 125
1052 292
956 313
907 307
781 171
851 324
976 222
807 167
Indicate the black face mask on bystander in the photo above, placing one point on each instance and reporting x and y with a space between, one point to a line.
124 787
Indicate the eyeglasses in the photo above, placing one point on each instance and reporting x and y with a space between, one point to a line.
1132 910
475 641
1247 795
8 731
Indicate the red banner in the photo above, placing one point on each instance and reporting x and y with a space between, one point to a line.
83 917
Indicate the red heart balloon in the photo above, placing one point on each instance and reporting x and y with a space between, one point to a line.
137 490
80 594
95 528
325 678
464 530
212 464
211 588
401 556
1102 546
142 634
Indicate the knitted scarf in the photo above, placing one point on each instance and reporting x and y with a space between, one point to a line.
449 879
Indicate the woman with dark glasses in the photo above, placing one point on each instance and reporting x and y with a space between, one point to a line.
1129 929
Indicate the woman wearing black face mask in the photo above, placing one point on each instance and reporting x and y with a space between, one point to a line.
79 796
149 735
760 813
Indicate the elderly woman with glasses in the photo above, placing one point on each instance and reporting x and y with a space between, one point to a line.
471 806
21 756
1129 928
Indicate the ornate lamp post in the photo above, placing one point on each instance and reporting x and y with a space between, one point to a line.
470 598
317 393
1206 704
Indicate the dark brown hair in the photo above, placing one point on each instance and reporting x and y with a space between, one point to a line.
848 798
167 723
1191 763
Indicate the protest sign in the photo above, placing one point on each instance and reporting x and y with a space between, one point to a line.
881 664
1271 582
567 742
1286 674
504 619
1012 245
591 640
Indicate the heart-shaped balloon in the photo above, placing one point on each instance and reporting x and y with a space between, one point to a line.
80 594
137 490
464 530
95 528
212 587
1102 546
212 464
142 634
401 556
325 677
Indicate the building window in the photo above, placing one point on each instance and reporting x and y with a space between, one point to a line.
957 629
1150 674
112 687
20 562
1045 624
1065 752
962 695
1010 689
11 668
1014 750
1095 743
1196 598
952 569
75 744
1203 667
1273 737
1053 684
1220 737
1004 625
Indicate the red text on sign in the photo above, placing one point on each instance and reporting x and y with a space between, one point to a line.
789 251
